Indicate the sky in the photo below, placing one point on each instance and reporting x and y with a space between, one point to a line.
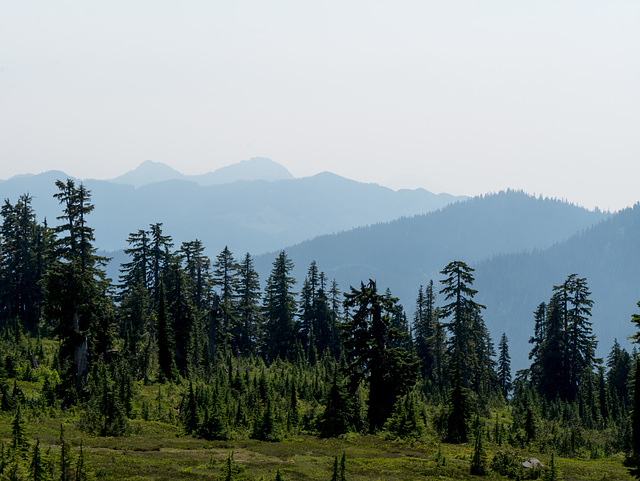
464 97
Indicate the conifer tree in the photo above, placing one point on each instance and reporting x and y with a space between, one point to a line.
335 418
37 467
479 458
504 366
23 262
137 271
462 311
225 270
165 340
160 256
249 315
19 438
458 409
279 310
77 291
368 336
66 472
81 470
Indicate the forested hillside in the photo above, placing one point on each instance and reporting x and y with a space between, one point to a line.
409 252
185 344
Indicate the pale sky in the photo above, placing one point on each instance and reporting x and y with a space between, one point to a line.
465 97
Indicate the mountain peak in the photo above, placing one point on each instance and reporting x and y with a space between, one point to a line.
148 172
256 168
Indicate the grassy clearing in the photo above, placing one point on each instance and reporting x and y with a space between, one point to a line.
157 451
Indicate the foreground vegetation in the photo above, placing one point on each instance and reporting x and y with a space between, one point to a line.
187 371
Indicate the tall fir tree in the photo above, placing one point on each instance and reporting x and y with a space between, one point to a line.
279 310
504 366
77 291
368 337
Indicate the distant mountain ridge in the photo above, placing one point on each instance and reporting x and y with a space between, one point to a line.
256 168
253 216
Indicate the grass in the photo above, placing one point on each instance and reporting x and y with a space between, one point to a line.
157 451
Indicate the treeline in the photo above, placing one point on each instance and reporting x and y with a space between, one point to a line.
288 358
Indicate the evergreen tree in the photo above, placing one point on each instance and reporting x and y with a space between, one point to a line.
479 458
23 261
165 340
225 271
37 467
405 421
368 336
19 438
458 409
137 271
159 258
504 366
249 316
66 472
620 367
335 418
279 310
181 314
462 311
81 470
197 269
77 291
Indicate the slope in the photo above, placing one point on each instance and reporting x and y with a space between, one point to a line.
408 252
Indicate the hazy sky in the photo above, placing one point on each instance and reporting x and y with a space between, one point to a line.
465 97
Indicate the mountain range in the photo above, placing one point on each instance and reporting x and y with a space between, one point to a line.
520 245
254 206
